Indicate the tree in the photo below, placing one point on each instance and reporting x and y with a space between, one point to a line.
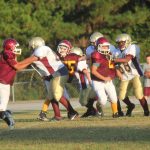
74 20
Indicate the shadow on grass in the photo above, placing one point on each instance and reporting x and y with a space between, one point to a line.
78 134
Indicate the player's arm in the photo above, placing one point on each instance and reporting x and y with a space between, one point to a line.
97 74
119 74
87 74
82 66
123 60
24 63
147 74
82 58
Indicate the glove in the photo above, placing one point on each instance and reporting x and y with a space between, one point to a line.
110 57
48 78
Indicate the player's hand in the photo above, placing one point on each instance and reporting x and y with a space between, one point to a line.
90 84
48 78
147 74
110 57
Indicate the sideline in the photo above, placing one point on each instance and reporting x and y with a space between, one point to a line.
37 104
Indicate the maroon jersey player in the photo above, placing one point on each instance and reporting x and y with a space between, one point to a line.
8 68
103 72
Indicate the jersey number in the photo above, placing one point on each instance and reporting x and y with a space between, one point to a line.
71 66
125 66
111 64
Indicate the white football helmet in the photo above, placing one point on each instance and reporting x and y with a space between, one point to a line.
36 42
101 43
64 48
123 41
95 36
77 50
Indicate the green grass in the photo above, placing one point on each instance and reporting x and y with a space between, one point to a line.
126 133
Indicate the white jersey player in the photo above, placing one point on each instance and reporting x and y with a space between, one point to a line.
128 65
55 75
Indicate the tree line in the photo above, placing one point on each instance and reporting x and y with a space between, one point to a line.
75 20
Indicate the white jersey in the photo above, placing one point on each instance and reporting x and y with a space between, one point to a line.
112 49
90 49
146 67
49 61
83 81
132 68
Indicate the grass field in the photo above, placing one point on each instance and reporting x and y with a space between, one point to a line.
107 133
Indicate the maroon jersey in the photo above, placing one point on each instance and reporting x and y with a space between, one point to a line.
7 72
105 68
71 61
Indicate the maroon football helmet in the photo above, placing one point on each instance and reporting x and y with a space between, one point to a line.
11 45
64 48
103 46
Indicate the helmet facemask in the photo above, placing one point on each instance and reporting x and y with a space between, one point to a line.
123 41
16 50
103 48
63 50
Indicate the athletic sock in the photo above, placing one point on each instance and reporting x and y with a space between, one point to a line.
127 101
90 103
144 104
114 108
66 104
56 109
45 105
119 106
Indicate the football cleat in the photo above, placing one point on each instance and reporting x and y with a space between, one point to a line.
100 111
130 109
7 117
116 115
89 113
42 116
73 115
120 113
146 113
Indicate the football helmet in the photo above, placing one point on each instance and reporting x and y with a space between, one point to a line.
64 48
103 45
95 36
123 41
36 42
12 45
77 50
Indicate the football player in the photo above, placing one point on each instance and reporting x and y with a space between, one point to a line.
55 74
90 49
87 95
76 64
102 74
128 65
8 67
146 70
